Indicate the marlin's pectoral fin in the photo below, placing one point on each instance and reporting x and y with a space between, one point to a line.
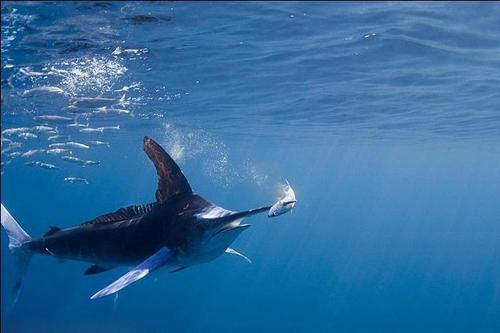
236 253
160 258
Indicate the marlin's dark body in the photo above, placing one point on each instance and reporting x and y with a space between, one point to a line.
127 242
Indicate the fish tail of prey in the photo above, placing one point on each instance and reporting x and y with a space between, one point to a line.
18 238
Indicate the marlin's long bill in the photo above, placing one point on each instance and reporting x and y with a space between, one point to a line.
238 215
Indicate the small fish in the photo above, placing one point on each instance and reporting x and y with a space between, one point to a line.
32 152
73 159
127 88
286 203
57 145
69 144
117 127
56 151
14 154
28 72
91 102
98 143
47 166
41 165
42 90
75 110
52 118
77 145
74 180
27 135
58 137
90 162
120 51
10 131
106 111
91 130
12 146
77 125
42 128
78 161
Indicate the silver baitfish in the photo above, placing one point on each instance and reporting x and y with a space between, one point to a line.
74 180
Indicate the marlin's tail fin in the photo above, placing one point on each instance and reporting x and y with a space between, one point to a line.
17 238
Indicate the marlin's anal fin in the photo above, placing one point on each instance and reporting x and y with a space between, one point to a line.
171 181
236 253
160 258
96 269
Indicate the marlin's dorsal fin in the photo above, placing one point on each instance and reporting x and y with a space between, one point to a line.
122 214
171 181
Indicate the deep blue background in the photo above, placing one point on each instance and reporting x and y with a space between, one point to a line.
384 117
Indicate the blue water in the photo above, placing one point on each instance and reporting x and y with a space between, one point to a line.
384 117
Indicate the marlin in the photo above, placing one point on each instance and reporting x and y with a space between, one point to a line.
180 229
